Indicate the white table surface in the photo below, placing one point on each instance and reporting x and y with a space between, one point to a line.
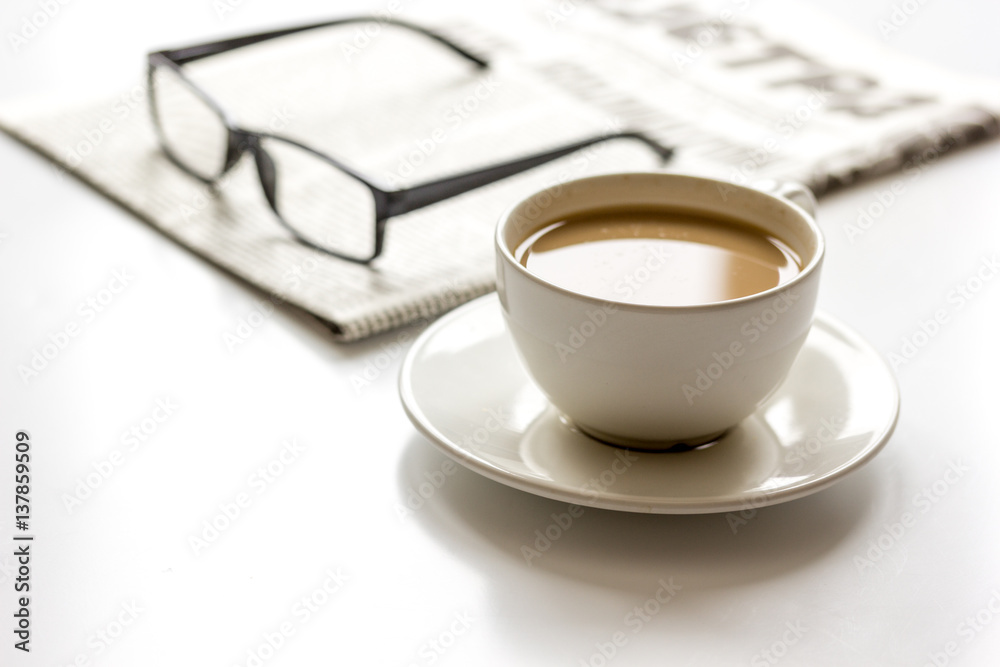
319 551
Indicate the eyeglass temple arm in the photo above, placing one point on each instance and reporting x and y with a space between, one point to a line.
198 51
411 199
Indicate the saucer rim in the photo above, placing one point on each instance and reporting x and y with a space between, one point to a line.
650 505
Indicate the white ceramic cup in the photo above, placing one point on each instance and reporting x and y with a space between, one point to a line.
655 377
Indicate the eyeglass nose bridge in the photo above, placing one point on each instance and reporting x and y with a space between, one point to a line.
249 142
238 142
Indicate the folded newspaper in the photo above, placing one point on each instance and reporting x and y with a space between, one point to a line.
743 90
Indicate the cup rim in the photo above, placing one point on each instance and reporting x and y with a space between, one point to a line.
807 271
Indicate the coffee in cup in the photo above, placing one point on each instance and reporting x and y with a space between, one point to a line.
658 256
656 309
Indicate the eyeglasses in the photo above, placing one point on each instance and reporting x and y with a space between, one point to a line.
325 204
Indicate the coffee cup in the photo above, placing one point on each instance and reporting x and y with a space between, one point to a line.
676 336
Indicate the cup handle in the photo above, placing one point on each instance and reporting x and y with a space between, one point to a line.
796 193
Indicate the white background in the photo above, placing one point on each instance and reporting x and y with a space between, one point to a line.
451 573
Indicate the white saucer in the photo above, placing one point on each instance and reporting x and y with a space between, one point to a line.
463 386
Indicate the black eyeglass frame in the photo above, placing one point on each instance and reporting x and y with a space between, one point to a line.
388 203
